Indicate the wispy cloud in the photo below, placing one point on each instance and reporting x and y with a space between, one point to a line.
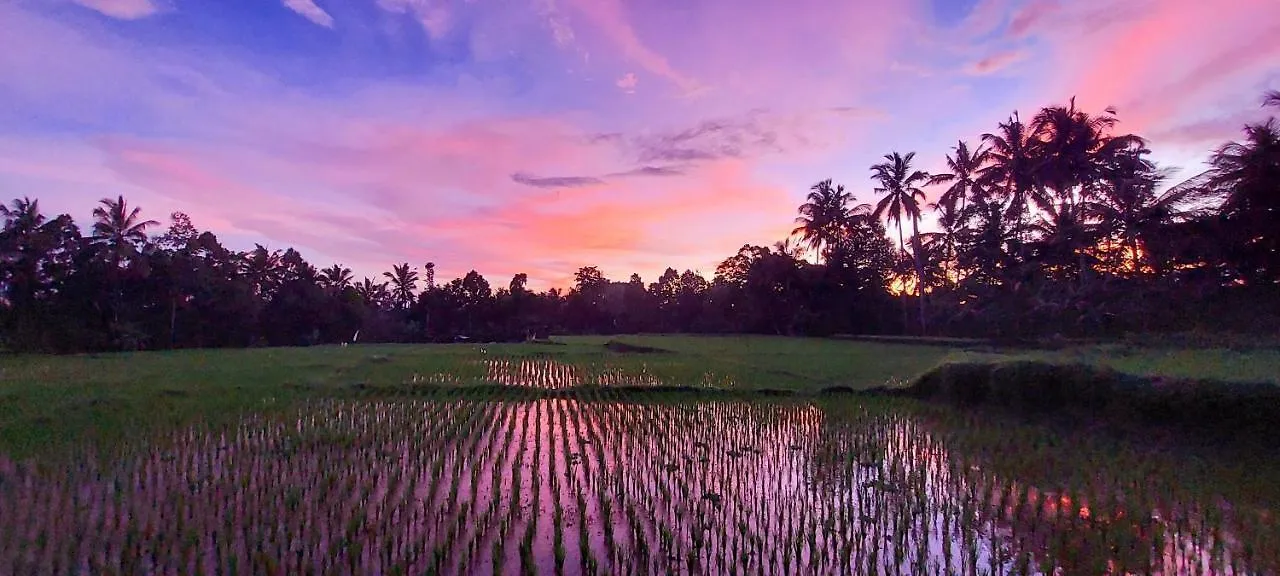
435 16
555 181
1030 16
122 9
996 62
650 171
309 10
610 18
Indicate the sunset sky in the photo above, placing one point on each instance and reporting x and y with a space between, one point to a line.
539 136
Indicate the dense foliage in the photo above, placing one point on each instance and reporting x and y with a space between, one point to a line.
1056 224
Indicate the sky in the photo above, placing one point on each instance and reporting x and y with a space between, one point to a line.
540 136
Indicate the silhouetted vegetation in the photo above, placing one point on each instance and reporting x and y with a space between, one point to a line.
1056 225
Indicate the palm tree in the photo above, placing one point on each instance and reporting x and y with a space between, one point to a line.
963 178
1062 230
825 215
1271 98
119 229
370 293
23 218
901 187
1011 168
21 249
1247 175
946 242
1131 210
1071 144
788 247
336 277
262 267
403 282
987 244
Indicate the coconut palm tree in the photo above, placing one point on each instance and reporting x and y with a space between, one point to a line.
1271 98
1247 175
1077 150
788 247
1069 141
262 267
370 293
1130 210
1061 232
962 179
403 282
901 186
825 216
1010 171
336 277
945 243
119 229
21 249
23 218
987 242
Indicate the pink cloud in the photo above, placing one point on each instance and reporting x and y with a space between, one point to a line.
1163 64
382 192
1030 16
627 83
609 16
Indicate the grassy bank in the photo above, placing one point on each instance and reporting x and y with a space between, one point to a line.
1205 410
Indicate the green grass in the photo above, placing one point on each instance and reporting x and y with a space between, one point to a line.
50 401
1222 364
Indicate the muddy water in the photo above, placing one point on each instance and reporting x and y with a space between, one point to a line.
592 484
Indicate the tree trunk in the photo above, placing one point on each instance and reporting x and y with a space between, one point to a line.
902 294
915 253
173 321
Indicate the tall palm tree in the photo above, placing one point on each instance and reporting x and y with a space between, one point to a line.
1011 168
901 186
403 282
1069 144
1247 175
120 229
964 167
824 215
336 277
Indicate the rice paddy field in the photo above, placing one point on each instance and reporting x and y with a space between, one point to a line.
580 459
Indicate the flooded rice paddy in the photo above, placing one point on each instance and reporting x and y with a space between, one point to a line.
595 483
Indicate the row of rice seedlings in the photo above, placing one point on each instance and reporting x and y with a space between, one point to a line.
555 375
448 484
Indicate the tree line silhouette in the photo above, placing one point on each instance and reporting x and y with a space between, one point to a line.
1052 225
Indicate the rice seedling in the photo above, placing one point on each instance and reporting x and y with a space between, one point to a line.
596 482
